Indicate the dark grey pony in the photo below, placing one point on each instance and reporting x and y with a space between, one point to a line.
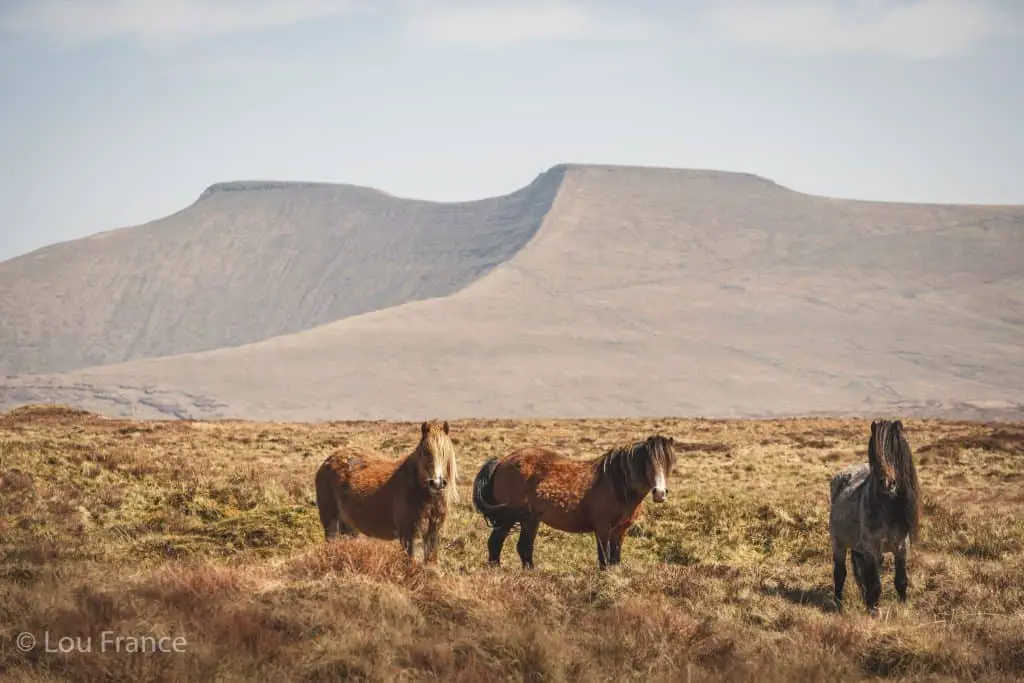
875 509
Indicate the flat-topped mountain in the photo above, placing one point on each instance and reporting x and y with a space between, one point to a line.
615 291
246 262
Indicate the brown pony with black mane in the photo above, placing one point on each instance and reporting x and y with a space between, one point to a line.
600 496
388 499
875 509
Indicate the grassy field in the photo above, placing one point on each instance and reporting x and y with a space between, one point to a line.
207 532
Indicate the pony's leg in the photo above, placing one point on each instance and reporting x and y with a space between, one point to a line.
901 580
857 560
873 578
330 523
495 543
615 546
839 573
408 540
527 536
330 518
603 549
430 538
408 529
865 567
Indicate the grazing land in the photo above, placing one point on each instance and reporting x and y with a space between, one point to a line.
207 531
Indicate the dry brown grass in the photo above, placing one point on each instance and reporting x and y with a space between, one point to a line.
208 531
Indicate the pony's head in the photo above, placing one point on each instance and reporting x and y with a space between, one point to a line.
892 465
883 451
436 468
644 466
660 461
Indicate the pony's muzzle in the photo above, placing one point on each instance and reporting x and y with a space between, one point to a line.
659 495
437 484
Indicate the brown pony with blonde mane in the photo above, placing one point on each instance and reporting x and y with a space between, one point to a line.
358 491
875 508
601 496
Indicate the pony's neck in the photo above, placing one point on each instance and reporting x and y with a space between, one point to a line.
408 470
615 467
634 495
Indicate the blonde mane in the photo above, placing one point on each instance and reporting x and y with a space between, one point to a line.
443 448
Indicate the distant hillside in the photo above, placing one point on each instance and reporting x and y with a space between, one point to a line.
647 292
249 261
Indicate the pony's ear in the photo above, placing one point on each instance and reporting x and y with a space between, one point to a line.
899 425
445 426
424 428
874 427
672 440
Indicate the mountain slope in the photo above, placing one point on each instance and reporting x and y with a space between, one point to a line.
246 262
650 292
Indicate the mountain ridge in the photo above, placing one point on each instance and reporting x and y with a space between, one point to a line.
642 293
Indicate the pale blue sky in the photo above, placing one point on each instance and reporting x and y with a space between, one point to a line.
116 112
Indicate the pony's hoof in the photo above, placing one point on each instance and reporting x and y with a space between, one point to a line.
873 612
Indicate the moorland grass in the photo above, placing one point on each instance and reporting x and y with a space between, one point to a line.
208 531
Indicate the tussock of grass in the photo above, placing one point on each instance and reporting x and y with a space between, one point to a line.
209 531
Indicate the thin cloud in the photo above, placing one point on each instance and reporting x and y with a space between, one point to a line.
77 22
918 29
505 24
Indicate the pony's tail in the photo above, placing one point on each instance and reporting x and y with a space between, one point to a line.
495 513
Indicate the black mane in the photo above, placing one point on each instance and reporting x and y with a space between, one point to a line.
626 467
889 445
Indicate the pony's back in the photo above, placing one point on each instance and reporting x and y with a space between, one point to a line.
847 477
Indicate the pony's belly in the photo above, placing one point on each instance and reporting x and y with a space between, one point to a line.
369 517
566 521
562 515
